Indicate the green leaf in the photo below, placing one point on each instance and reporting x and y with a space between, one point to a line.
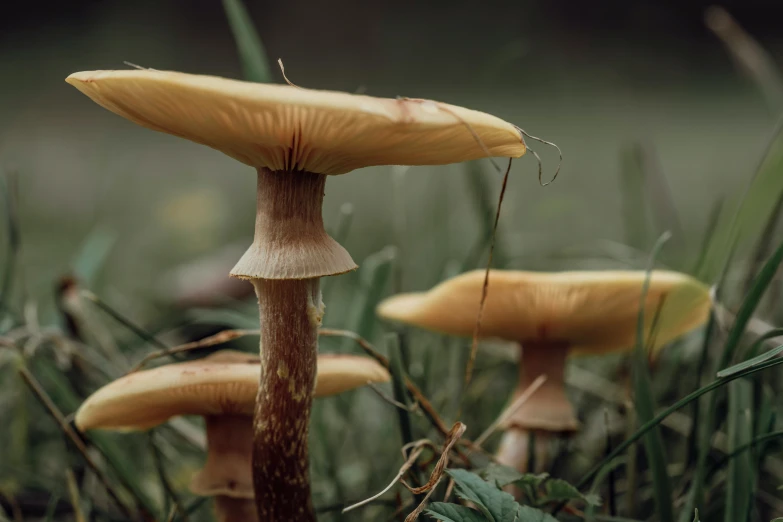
454 513
496 505
696 515
558 490
251 50
501 475
529 514
531 479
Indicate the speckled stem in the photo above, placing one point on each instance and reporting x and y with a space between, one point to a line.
291 312
229 509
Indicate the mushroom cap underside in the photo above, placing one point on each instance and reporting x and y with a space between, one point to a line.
287 128
593 311
225 383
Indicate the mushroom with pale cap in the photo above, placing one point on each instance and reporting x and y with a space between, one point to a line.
294 138
222 388
552 316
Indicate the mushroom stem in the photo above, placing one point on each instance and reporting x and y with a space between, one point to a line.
290 252
230 509
514 450
229 445
291 312
290 241
547 412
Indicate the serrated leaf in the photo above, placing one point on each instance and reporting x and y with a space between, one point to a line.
531 479
454 513
501 475
558 490
529 514
496 505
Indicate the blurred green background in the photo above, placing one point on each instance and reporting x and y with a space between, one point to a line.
592 78
657 123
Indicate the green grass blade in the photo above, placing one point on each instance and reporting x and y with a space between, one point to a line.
766 239
644 403
634 201
731 370
8 192
118 458
92 255
252 54
714 385
752 212
375 274
740 477
750 304
143 334
398 375
398 385
748 307
659 192
713 220
51 508
590 509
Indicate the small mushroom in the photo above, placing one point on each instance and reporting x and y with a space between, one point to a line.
294 138
552 316
221 388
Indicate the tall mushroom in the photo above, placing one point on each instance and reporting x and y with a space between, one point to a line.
552 316
294 138
222 388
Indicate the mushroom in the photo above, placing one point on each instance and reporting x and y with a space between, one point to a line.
294 138
222 388
552 316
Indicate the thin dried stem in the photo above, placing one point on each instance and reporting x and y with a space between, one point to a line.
540 163
282 70
425 405
47 402
412 409
485 287
414 455
518 403
437 473
213 340
73 491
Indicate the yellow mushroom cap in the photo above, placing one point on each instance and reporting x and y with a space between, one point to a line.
593 311
285 128
224 383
